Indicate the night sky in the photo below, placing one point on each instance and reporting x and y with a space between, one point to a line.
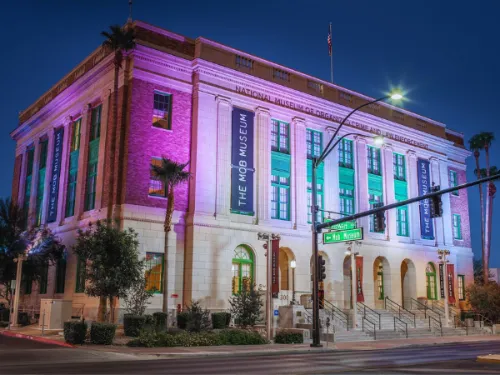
445 53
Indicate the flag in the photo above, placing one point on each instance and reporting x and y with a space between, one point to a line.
330 40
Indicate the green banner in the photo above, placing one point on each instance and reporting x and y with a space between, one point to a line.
343 236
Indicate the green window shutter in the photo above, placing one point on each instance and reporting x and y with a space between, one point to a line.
375 185
346 178
90 190
280 164
457 227
72 180
401 190
280 190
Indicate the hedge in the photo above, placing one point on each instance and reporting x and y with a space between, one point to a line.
102 333
221 320
289 337
75 332
160 320
133 324
182 320
4 315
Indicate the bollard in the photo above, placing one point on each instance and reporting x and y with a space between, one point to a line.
43 323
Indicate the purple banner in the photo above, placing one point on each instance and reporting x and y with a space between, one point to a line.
424 187
56 170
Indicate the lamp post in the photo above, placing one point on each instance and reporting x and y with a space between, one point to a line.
293 264
442 254
19 260
354 281
316 162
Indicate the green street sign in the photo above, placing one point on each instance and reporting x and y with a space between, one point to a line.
344 226
343 236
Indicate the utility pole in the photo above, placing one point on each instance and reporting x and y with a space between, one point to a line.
19 260
442 257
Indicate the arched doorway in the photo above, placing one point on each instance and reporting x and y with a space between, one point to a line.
242 269
430 281
381 281
347 283
408 283
284 265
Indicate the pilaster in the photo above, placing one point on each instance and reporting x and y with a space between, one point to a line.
414 210
223 173
361 176
48 175
446 199
105 100
331 186
34 184
82 163
389 191
436 180
299 173
63 178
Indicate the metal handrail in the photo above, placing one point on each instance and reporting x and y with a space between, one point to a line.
435 323
401 323
337 313
482 319
401 311
427 309
460 324
363 320
372 312
439 305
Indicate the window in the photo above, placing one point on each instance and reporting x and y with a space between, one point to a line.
156 185
75 135
61 274
42 164
280 74
457 227
399 167
95 123
280 197
380 282
454 182
346 202
431 286
242 269
44 279
461 287
374 200
345 153
319 191
280 137
374 160
95 130
162 110
26 283
27 184
154 272
73 168
318 87
402 222
81 274
314 144
243 62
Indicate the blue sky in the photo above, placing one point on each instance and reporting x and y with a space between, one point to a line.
444 52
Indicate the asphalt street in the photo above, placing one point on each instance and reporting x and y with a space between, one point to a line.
24 357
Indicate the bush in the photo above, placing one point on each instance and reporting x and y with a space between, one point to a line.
160 321
102 333
132 324
221 320
485 299
23 319
75 332
4 324
246 306
182 319
288 337
198 318
241 337
4 315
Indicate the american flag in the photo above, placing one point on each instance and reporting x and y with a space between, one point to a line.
330 40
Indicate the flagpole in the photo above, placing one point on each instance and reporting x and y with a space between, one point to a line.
331 56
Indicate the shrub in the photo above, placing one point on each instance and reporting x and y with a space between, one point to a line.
220 320
4 324
246 306
75 332
160 321
132 324
4 315
102 333
137 297
240 337
288 337
198 318
182 319
485 299
23 319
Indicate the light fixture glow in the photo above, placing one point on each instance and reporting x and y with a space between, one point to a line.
293 264
378 140
348 253
396 96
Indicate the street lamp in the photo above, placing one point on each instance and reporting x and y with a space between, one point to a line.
442 254
316 162
293 265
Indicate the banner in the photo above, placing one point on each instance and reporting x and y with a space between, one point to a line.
242 170
275 251
359 280
424 187
56 170
451 286
441 280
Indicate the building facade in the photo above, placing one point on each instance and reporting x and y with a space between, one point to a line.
248 128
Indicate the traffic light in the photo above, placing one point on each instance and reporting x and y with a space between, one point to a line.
379 219
321 269
436 205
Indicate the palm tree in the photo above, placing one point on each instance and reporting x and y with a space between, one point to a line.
476 144
488 138
119 40
171 174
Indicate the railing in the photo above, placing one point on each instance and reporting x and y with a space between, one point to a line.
422 307
402 326
370 313
401 311
433 322
460 324
438 306
366 325
478 317
337 313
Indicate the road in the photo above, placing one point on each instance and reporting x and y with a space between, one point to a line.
24 357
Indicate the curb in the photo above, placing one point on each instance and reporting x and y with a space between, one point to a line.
488 359
229 354
36 338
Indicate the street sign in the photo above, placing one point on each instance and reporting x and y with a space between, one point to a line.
276 313
343 236
344 226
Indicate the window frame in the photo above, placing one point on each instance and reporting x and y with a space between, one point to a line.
240 262
399 166
453 179
428 277
148 271
279 185
344 154
155 180
374 159
372 201
399 222
461 287
314 149
159 114
344 198
42 168
61 267
278 136
457 227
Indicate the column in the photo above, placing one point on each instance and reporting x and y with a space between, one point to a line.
389 192
331 187
223 173
82 163
414 210
263 166
361 178
22 178
299 173
446 199
63 183
102 148
34 184
436 180
48 175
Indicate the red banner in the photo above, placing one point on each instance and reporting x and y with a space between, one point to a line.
275 251
359 279
451 283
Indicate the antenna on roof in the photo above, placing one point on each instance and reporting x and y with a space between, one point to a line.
129 11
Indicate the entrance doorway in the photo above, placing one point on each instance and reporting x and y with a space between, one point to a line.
381 281
408 283
347 283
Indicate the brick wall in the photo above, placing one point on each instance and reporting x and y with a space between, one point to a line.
146 142
460 206
17 178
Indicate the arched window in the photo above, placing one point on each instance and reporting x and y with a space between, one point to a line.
430 281
380 281
242 269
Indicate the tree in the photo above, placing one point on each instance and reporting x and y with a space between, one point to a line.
476 144
112 262
171 174
137 298
488 138
485 299
246 306
40 246
118 40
